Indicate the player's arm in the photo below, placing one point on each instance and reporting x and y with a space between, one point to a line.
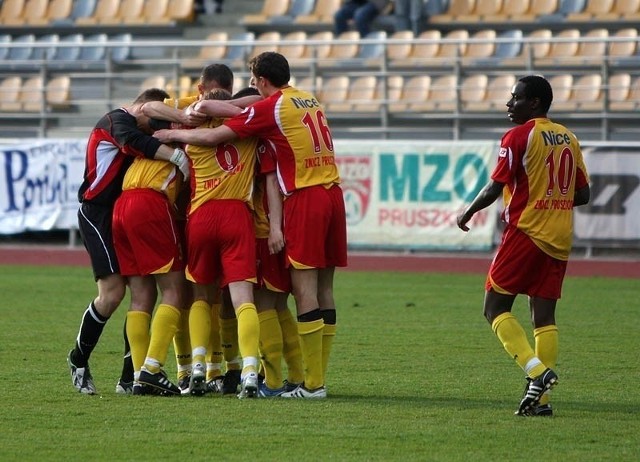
217 108
197 136
274 199
159 110
484 199
582 196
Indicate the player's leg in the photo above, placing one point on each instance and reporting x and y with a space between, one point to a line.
328 311
270 340
291 350
143 300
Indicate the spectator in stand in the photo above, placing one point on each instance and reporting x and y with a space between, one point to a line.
362 13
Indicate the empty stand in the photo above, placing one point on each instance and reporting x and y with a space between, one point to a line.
296 8
154 81
497 94
182 88
472 89
127 11
122 50
80 9
270 9
5 40
456 10
387 90
310 84
624 45
322 13
35 12
563 48
343 53
10 94
154 12
482 10
318 46
594 9
562 85
70 49
415 90
587 93
512 10
181 11
442 96
24 51
45 47
402 49
361 91
537 46
293 47
623 92
106 11
208 53
423 50
334 90
12 12
453 46
93 48
267 41
33 94
481 46
57 10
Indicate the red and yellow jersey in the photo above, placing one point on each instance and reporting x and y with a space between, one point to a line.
293 121
158 175
225 171
181 103
267 164
541 165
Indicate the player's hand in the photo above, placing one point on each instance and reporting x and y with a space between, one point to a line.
192 117
163 135
181 160
276 241
462 221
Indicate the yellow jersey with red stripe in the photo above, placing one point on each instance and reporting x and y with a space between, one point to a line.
293 121
541 165
158 175
225 171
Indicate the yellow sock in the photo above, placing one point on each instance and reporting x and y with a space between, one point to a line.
515 342
182 345
248 336
214 352
229 341
271 348
547 350
199 330
138 334
163 328
328 334
291 346
311 344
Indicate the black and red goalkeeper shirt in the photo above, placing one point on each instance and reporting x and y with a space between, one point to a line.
113 143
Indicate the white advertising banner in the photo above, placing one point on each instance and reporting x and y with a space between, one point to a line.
407 195
39 181
613 212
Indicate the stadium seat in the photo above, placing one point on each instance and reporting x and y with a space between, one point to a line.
594 9
361 91
35 12
22 53
154 81
79 9
10 94
122 51
238 48
70 53
293 47
402 50
154 12
270 8
562 85
624 50
372 53
539 9
341 53
563 49
421 53
58 10
387 89
105 11
473 89
12 12
442 96
455 10
45 47
497 94
482 10
592 51
537 48
415 90
95 52
181 11
5 40
483 49
128 10
296 8
587 93
267 41
318 46
512 10
208 53
448 53
333 91
183 88
322 13
33 94
310 84
619 88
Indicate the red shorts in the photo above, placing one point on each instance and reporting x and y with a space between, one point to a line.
315 228
272 271
145 234
521 267
221 243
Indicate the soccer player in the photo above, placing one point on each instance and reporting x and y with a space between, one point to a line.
541 174
118 137
293 121
148 245
221 249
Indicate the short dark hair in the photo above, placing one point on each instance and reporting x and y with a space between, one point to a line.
219 73
272 66
218 94
536 86
151 94
247 91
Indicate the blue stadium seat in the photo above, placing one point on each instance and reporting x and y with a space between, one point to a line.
94 52
22 53
46 49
